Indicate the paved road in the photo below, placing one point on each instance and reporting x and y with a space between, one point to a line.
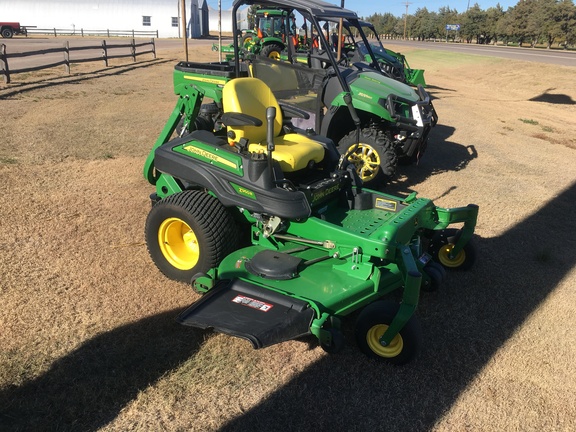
564 58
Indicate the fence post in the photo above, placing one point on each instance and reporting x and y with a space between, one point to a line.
153 47
105 53
55 34
108 32
67 57
4 63
82 32
133 50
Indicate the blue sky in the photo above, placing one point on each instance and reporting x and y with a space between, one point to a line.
398 7
365 8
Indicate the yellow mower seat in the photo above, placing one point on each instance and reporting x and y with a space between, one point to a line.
252 96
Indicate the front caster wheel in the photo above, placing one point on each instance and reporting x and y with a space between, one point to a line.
373 321
442 244
436 276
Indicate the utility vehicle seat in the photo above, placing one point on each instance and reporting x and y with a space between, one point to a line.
252 96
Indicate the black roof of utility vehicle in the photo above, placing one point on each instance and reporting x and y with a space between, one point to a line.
317 8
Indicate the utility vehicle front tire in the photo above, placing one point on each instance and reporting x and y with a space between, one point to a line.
188 233
442 244
375 158
272 51
373 321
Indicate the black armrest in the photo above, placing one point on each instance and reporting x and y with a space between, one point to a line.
293 111
240 119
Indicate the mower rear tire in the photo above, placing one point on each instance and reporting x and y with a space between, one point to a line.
373 321
443 242
189 233
375 158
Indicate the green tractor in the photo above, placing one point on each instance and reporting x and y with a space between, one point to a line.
269 37
274 227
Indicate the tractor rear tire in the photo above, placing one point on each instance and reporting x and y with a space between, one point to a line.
373 321
272 51
188 233
375 158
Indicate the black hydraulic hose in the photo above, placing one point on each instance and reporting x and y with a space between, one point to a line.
270 116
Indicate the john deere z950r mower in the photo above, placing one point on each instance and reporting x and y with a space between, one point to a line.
273 226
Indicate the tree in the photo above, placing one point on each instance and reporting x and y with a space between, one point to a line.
424 26
447 16
474 25
494 16
566 15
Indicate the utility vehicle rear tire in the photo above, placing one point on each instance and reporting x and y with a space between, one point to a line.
375 158
272 51
188 233
7 33
443 242
373 321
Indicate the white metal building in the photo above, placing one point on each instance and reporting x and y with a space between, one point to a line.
140 15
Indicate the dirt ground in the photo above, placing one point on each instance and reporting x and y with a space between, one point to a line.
87 333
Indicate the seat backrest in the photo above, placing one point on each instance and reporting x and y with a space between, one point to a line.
251 96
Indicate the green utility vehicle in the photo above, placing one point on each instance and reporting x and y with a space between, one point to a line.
274 227
395 119
391 62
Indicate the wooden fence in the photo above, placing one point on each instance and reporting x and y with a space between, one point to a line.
32 30
130 50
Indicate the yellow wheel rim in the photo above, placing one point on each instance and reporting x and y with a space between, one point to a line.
446 261
366 161
373 339
178 244
274 55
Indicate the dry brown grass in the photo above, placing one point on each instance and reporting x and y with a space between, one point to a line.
87 337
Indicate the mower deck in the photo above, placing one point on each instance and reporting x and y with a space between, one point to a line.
241 309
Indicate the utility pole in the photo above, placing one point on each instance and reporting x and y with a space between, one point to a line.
184 27
220 31
406 17
340 25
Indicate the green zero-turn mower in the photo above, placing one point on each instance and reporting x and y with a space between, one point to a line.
275 228
395 119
